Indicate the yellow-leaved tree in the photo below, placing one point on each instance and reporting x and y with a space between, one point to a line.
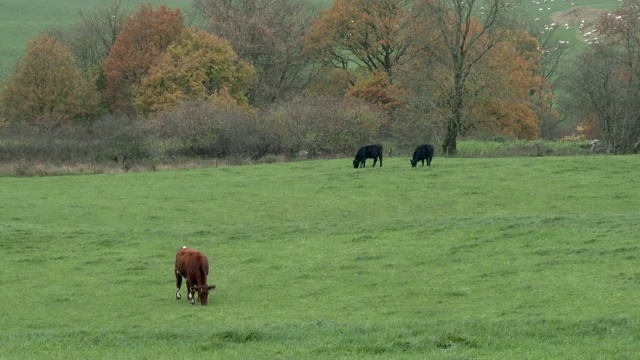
198 65
47 89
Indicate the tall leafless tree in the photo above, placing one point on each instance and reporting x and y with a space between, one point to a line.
604 84
468 29
270 35
90 39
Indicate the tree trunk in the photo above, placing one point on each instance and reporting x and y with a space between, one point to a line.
449 145
453 127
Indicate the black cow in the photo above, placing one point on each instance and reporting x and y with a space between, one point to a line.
422 153
368 152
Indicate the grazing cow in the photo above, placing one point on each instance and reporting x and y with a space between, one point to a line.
368 152
422 153
193 266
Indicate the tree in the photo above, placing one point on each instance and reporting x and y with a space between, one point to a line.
503 85
198 65
376 89
91 38
466 40
502 90
604 86
47 88
270 35
143 38
367 34
551 60
600 90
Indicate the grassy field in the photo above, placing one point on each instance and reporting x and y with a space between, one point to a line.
495 258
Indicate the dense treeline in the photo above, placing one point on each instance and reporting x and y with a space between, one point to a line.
278 78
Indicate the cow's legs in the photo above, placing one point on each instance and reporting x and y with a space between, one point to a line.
375 159
191 287
178 285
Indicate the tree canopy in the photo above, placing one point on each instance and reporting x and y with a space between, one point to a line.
270 35
141 41
47 89
198 65
362 33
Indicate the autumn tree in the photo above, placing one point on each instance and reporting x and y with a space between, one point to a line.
375 88
468 30
502 90
47 89
505 86
197 66
364 34
141 41
270 35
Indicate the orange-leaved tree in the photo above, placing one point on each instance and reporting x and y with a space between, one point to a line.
47 89
376 89
145 37
505 85
198 65
360 33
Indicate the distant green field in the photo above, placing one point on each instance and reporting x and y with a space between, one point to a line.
502 258
568 16
21 21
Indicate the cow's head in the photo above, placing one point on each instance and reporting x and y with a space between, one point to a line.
203 293
356 163
413 162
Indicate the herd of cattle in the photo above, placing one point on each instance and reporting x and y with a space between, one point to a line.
193 265
422 153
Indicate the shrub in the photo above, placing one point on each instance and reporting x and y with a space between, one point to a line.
205 129
318 126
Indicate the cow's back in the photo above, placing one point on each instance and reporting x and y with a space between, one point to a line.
369 151
191 262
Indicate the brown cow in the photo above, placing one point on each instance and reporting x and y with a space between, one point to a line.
193 266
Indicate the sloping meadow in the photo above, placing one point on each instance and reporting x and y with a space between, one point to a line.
529 258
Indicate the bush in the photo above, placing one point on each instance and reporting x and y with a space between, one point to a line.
121 139
318 126
204 129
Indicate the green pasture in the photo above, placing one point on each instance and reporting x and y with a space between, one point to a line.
572 19
484 258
